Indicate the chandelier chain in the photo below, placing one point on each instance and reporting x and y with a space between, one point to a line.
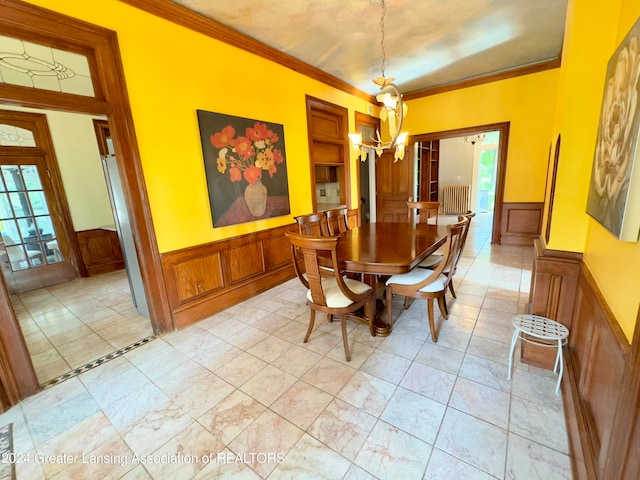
382 47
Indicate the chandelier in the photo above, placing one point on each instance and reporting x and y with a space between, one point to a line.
472 139
393 111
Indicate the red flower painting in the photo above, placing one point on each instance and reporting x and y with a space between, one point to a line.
246 168
247 156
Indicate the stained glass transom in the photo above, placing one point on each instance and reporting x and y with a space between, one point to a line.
12 136
37 66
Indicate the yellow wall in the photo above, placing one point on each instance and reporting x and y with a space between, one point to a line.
171 72
590 40
594 31
528 102
615 265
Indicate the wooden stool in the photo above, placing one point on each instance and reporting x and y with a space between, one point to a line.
543 332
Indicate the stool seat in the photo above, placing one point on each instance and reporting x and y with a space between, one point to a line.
545 333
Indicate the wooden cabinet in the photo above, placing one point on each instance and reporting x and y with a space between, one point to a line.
326 174
328 147
428 165
100 250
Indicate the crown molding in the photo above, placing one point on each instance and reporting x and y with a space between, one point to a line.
194 21
488 78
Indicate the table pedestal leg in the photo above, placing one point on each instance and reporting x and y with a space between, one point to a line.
380 327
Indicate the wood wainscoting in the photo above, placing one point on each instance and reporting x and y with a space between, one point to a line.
100 250
209 278
521 223
601 396
601 387
554 280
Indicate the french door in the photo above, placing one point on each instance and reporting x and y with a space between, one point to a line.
34 254
34 246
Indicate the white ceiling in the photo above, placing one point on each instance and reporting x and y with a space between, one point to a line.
428 43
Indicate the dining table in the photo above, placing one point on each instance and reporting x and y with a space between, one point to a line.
383 248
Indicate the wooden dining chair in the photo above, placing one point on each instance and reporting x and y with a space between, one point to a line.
468 216
423 212
337 220
314 224
335 295
426 283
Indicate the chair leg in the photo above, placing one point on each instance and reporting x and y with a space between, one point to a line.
345 340
432 324
312 319
443 307
446 307
453 292
407 300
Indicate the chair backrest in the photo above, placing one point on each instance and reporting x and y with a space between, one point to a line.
452 248
314 224
469 215
312 249
337 220
422 212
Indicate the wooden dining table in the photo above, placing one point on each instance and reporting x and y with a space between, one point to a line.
379 249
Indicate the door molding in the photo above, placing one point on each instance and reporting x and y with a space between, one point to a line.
503 128
100 45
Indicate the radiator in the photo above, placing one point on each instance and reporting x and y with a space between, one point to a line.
455 199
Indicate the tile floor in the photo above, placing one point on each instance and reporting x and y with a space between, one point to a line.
239 395
68 325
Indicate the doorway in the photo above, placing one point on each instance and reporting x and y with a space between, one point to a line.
485 170
68 321
104 94
494 173
367 125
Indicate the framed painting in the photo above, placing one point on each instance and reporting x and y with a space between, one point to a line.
614 190
246 168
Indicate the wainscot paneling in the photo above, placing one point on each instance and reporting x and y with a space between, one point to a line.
209 278
601 386
553 288
521 223
598 404
100 250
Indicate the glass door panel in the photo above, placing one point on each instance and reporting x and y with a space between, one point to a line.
27 229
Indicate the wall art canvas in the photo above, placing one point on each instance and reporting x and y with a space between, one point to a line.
614 191
246 168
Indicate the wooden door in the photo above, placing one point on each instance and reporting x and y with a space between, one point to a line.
394 186
35 228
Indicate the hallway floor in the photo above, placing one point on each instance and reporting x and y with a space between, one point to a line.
70 324
239 395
